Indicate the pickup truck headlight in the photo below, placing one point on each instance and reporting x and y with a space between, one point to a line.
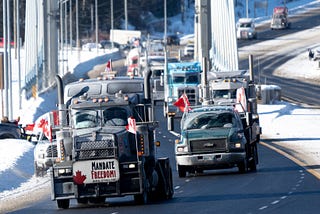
182 145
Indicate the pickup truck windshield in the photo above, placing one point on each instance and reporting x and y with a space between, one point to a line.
211 120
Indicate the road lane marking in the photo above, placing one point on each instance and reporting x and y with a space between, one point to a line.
300 163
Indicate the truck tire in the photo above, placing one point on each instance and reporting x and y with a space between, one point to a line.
142 198
242 166
63 203
254 161
182 172
165 185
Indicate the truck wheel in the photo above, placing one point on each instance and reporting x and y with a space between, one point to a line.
242 166
63 203
170 185
253 163
142 198
182 171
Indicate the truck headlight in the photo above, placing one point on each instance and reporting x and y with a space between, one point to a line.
182 148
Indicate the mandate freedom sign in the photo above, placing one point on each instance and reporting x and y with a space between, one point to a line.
93 171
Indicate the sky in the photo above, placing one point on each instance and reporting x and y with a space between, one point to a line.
280 120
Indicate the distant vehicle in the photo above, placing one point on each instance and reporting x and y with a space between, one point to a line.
280 18
173 40
189 50
9 130
107 44
91 45
246 29
315 54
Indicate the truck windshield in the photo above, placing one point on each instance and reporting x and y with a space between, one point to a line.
85 119
115 116
185 79
226 94
211 120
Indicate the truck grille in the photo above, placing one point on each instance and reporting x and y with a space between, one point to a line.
208 145
95 149
52 151
191 93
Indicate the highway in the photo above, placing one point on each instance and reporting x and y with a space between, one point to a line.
269 52
278 186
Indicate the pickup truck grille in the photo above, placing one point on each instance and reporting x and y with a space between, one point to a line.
52 151
191 93
95 149
208 145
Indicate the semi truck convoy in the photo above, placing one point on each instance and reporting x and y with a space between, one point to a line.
106 144
223 133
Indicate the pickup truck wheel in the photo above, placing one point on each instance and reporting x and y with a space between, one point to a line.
182 171
63 203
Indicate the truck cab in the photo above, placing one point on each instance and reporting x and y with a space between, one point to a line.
280 18
214 137
182 78
246 29
106 143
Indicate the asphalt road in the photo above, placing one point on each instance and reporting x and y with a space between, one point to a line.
267 58
278 186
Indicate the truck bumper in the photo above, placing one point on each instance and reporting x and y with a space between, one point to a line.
64 187
216 160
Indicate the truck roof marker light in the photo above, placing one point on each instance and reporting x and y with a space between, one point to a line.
94 100
99 78
100 100
126 97
106 99
81 80
157 143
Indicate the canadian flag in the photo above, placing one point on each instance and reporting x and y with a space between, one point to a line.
241 98
183 103
109 66
131 127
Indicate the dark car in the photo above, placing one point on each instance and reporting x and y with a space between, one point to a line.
173 40
9 130
107 44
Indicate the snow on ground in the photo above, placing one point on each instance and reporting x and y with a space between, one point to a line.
292 126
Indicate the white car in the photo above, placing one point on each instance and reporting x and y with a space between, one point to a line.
188 50
45 155
246 29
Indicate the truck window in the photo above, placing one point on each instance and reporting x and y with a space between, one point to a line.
226 94
192 79
85 119
115 116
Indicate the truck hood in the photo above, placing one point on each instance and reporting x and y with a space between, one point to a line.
207 133
102 130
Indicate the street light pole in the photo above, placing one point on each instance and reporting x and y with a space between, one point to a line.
97 35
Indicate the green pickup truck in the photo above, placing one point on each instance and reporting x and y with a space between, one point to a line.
215 137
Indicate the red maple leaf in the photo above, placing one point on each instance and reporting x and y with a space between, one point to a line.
78 178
